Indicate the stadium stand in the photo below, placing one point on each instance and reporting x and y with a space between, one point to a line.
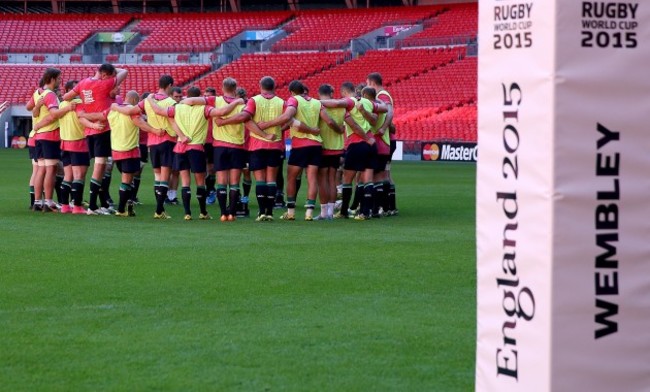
53 33
433 84
457 21
199 32
333 29
141 77
284 67
394 65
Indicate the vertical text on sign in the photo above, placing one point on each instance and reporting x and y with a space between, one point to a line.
518 301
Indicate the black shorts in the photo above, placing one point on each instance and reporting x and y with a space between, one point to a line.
381 162
306 156
46 149
32 153
192 160
333 161
129 165
226 158
162 155
261 159
209 153
360 156
144 153
393 147
99 145
71 158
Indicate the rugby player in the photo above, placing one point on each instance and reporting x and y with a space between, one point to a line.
192 117
210 179
97 93
333 143
375 81
306 145
265 147
48 139
161 148
125 137
361 154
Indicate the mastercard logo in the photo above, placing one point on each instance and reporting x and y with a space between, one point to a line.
431 152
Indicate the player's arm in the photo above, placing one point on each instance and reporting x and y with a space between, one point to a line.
54 115
358 130
159 110
328 120
191 101
218 112
91 116
30 105
182 138
304 128
370 117
128 110
388 121
236 119
282 119
334 103
98 126
120 75
252 126
140 123
70 95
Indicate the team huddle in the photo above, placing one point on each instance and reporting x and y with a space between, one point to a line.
218 141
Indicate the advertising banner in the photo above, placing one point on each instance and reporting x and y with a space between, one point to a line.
449 152
115 37
563 216
390 31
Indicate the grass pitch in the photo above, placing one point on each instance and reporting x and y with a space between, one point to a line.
106 303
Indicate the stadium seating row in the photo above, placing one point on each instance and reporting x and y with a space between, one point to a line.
141 77
460 20
284 67
57 34
195 32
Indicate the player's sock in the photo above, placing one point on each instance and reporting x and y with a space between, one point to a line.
66 187
367 202
330 210
124 197
210 180
186 195
222 197
291 205
77 192
161 195
261 192
309 208
246 187
171 194
392 200
201 194
135 187
358 195
95 186
323 210
32 197
386 204
57 188
346 191
104 195
234 198
156 190
298 184
378 197
280 178
270 197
